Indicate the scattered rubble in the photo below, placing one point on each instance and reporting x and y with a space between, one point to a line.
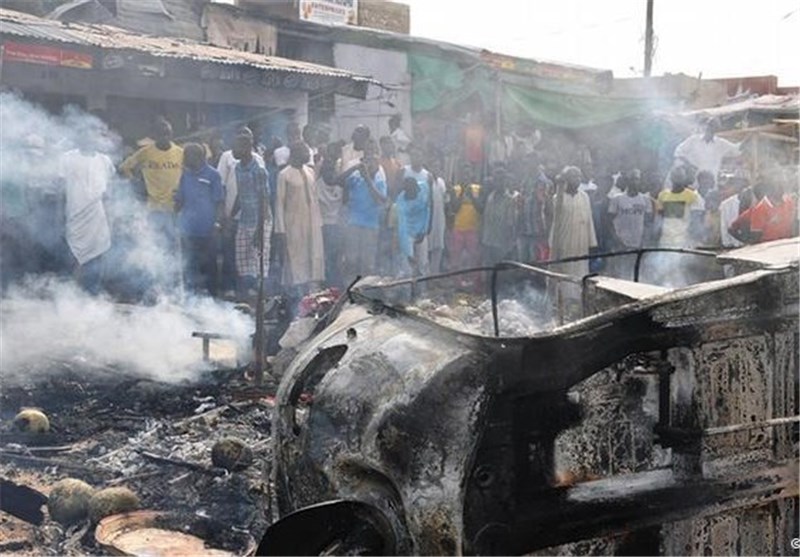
128 442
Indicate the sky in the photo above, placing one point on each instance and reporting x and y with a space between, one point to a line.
718 38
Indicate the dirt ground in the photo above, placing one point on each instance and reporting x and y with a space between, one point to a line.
109 428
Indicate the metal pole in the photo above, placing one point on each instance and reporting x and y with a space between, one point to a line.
258 356
648 40
495 320
638 265
774 422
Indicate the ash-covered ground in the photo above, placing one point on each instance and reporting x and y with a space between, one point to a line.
112 428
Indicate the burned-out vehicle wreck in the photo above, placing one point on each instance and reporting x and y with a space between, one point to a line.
658 420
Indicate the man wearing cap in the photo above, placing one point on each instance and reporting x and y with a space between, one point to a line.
573 232
572 235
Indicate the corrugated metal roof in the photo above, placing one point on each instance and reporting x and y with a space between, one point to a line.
105 36
765 104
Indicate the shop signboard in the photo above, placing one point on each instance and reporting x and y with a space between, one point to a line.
337 12
45 55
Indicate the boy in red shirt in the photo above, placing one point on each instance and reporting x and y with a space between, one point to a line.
772 218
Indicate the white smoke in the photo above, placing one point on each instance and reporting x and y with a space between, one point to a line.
22 121
46 320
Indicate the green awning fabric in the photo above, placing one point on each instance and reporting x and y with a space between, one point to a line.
437 83
568 111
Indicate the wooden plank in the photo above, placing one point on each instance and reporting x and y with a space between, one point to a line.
22 501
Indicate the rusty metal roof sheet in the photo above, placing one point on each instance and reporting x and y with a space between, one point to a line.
776 253
765 104
108 37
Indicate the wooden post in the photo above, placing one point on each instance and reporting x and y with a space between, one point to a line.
648 40
755 170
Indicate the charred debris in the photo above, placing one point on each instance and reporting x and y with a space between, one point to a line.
178 448
480 412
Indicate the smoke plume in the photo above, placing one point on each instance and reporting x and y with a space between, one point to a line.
46 321
47 318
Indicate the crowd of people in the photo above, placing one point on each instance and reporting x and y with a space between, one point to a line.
310 213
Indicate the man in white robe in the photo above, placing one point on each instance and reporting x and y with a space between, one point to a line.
705 151
298 223
86 174
572 235
438 225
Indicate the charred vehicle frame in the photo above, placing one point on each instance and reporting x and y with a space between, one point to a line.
396 435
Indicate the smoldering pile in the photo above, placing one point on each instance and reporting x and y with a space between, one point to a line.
518 316
129 402
48 324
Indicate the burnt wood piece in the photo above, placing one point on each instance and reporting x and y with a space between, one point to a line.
22 502
14 546
182 463
44 462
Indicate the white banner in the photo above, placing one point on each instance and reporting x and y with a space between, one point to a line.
338 12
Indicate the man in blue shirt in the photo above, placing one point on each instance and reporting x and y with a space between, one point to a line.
416 171
199 203
365 191
413 217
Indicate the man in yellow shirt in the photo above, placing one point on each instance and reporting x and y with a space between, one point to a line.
681 210
161 165
465 208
